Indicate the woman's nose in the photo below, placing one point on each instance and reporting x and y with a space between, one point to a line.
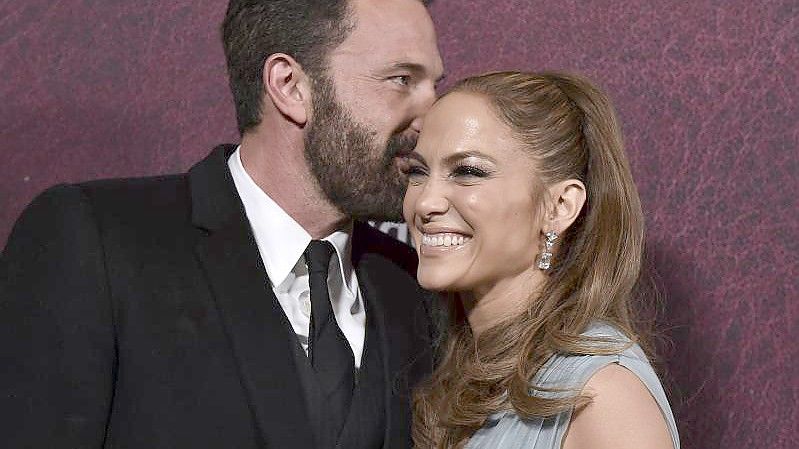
432 201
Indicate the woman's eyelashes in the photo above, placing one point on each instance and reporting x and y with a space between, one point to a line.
415 168
461 173
415 172
469 171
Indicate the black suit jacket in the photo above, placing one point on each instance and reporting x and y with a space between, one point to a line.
137 314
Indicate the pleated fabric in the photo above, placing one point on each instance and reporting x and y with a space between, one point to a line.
506 430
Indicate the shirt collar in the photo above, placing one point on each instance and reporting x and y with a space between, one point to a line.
280 239
342 242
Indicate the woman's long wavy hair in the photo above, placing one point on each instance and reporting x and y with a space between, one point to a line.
571 132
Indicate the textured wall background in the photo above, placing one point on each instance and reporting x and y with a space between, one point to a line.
706 90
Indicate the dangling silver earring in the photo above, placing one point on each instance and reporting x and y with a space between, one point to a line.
545 262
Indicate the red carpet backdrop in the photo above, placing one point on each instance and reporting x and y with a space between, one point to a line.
706 90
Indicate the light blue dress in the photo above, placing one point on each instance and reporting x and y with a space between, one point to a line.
506 430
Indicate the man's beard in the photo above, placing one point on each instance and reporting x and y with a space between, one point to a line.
356 173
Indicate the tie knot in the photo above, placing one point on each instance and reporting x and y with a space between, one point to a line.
317 255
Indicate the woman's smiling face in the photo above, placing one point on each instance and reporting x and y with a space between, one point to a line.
473 201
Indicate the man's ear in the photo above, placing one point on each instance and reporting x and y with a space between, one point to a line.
567 200
287 86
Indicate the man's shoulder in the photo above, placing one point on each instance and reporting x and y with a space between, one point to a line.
116 193
133 187
110 202
158 189
145 196
134 204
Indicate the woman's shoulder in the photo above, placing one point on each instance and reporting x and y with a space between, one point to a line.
624 389
564 375
623 413
628 406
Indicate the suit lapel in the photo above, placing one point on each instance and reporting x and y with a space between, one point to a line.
371 292
403 329
257 329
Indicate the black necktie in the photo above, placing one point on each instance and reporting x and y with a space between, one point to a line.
328 350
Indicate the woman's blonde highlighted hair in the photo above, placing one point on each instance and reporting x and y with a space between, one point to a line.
570 130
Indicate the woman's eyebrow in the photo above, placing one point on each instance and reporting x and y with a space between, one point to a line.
455 157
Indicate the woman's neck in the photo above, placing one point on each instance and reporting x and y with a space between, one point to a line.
485 306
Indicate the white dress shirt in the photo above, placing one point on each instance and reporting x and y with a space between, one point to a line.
281 242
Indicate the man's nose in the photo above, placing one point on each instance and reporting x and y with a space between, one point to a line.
426 98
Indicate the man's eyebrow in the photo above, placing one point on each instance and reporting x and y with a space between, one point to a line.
413 67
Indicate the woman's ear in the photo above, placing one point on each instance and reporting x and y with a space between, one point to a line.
567 200
288 87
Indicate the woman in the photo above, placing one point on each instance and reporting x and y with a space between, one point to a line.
522 206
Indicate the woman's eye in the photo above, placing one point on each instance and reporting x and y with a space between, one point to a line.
469 171
415 171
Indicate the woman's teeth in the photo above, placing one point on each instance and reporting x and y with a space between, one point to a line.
444 239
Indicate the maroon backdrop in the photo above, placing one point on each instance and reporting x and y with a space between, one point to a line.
706 91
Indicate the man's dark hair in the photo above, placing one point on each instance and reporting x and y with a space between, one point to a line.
306 30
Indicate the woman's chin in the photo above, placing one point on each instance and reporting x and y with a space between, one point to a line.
431 282
437 282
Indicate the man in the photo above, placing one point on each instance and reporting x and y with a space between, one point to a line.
243 304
